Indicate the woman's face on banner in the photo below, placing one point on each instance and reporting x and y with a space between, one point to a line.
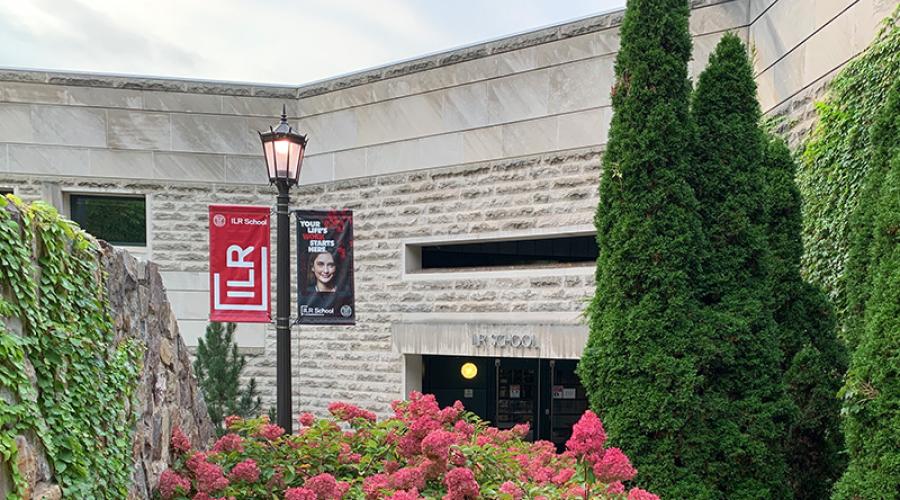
323 267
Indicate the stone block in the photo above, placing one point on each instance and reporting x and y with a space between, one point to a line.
317 169
268 107
758 7
330 131
182 102
350 163
47 160
465 106
188 167
246 170
69 126
720 17
585 128
399 119
482 144
519 97
391 157
439 150
216 134
32 93
105 97
15 123
121 164
581 85
530 137
140 130
576 48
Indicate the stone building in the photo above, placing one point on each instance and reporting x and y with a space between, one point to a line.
495 145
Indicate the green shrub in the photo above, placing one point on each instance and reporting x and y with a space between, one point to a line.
872 389
639 366
815 359
739 356
218 369
837 158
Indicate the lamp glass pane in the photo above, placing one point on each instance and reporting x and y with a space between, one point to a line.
294 161
282 151
269 150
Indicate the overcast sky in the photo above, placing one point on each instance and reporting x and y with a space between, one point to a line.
268 41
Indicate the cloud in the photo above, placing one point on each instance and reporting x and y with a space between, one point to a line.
288 42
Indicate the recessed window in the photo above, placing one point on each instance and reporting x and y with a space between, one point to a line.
120 220
506 253
6 190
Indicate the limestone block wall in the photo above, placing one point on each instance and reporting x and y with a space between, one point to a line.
548 193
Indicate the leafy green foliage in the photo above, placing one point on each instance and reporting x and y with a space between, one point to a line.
837 159
814 358
872 388
639 366
85 377
218 369
745 409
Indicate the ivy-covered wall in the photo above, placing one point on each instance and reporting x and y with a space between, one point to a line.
837 156
93 374
67 383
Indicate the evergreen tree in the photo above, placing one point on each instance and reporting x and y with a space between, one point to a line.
815 360
872 388
746 409
639 366
218 369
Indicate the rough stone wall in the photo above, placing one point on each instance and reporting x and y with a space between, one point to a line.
167 394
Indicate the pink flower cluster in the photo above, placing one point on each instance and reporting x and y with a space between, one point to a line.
347 412
422 451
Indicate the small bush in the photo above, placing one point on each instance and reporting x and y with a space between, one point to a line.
423 451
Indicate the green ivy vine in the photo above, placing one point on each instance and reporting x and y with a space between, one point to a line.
837 157
52 283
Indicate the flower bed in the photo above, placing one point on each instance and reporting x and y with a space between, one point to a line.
423 451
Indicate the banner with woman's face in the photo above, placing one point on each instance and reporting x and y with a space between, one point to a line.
325 267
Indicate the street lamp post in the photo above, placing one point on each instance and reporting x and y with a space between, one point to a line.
283 149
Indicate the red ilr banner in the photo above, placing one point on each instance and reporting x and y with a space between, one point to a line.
239 279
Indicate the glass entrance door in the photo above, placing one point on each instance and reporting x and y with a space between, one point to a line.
518 394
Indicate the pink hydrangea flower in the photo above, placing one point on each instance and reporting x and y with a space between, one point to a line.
461 484
616 488
246 471
229 442
436 445
210 478
299 494
326 487
180 442
614 466
171 484
639 494
510 488
306 419
271 431
348 412
231 420
412 494
588 437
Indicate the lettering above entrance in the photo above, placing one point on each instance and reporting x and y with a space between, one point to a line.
500 341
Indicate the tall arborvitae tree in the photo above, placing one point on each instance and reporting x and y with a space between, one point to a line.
815 360
746 408
872 387
218 369
639 366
